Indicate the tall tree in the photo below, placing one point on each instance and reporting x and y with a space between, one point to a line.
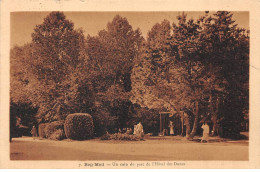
111 55
55 57
225 49
151 63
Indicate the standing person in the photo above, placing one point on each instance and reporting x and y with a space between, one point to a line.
34 132
205 136
171 125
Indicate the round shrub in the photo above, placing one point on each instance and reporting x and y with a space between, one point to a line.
41 130
58 135
52 127
79 126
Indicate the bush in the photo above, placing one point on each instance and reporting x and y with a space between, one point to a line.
52 127
103 120
106 136
58 135
120 136
53 130
79 126
41 130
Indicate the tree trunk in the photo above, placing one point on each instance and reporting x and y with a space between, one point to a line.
187 124
215 119
187 129
182 127
195 123
215 129
182 123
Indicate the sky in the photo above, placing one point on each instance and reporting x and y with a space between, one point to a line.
23 23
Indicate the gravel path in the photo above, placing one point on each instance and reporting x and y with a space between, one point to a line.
175 148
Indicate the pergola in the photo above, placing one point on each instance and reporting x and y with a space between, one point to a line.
164 121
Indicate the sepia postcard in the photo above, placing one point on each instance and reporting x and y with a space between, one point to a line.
130 84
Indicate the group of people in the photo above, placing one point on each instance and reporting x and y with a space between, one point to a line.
205 128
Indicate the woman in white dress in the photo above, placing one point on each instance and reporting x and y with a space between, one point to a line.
171 128
205 136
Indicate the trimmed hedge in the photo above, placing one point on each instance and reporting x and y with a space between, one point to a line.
52 127
58 135
79 126
53 130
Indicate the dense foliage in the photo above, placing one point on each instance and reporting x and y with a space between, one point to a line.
200 62
194 69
